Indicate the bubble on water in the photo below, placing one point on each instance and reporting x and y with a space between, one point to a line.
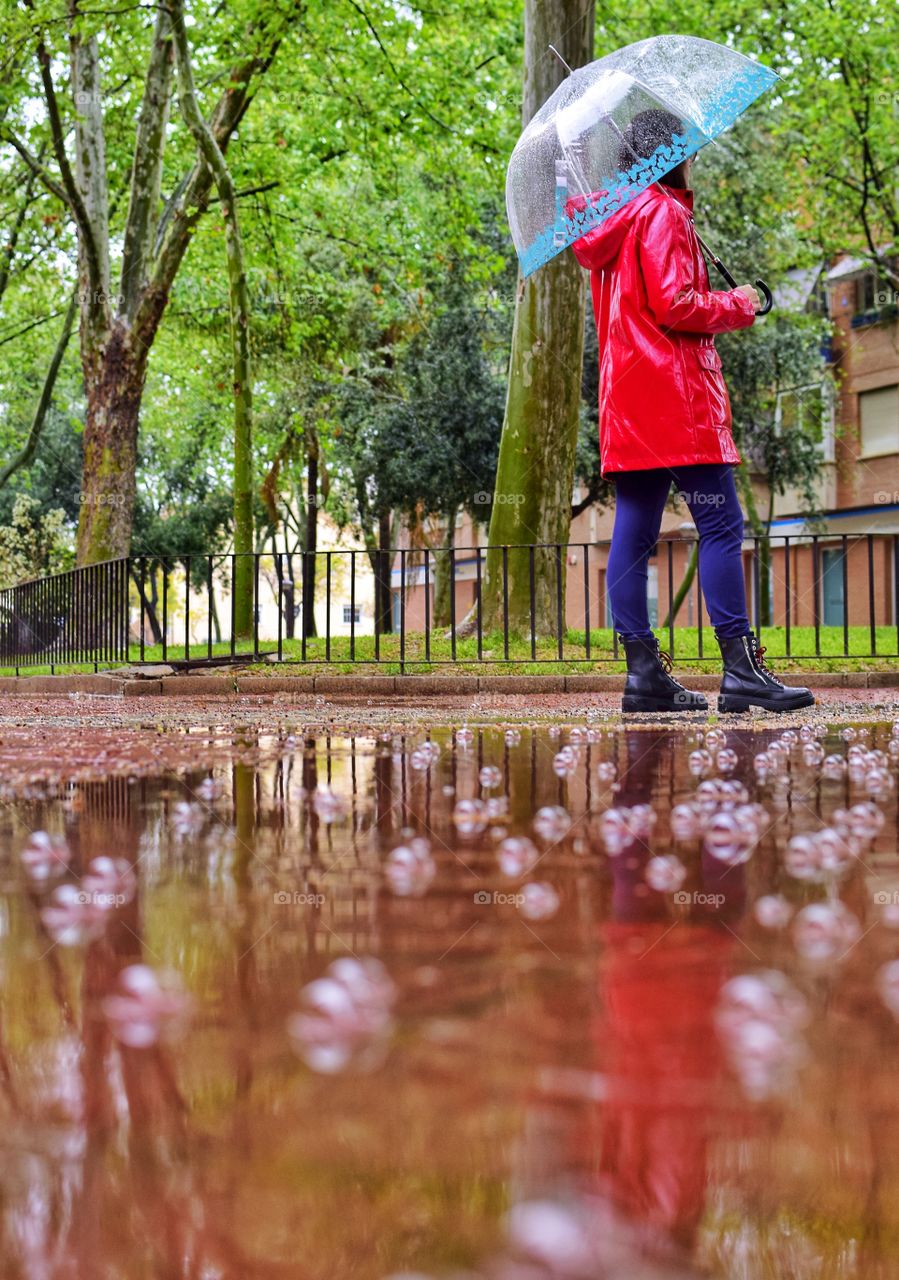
420 759
665 874
45 857
577 735
762 763
565 763
512 737
802 860
489 777
825 931
188 819
813 754
642 819
448 789
878 783
833 768
146 1007
329 806
464 737
848 734
470 817
539 901
517 856
726 760
889 916
554 731
410 868
552 823
715 738
773 911
496 808
210 790
685 822
699 762
607 771
345 1017
615 831
72 917
725 839
551 1238
759 1019
111 879
789 738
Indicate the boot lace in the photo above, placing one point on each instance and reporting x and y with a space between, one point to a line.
666 660
759 651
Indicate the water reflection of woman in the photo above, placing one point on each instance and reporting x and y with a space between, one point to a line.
659 979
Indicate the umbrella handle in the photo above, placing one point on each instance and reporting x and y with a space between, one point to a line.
759 284
769 300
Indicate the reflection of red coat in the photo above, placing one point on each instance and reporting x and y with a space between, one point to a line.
662 397
663 1067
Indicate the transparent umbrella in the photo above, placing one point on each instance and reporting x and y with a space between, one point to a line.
614 127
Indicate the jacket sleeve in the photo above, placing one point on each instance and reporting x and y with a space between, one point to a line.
666 258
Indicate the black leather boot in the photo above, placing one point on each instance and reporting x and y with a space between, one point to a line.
747 682
649 686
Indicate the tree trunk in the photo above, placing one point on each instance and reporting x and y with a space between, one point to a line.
760 531
149 604
239 305
686 583
311 532
443 583
113 383
535 472
382 566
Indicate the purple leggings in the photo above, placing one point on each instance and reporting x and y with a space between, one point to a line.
711 495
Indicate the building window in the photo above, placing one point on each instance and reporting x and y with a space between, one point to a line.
832 581
878 413
809 409
350 614
873 293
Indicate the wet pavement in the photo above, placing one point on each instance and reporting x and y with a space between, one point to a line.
310 989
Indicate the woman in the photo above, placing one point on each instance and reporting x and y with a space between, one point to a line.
664 416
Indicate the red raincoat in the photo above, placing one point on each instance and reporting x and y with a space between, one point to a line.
662 398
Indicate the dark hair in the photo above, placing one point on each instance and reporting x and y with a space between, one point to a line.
646 132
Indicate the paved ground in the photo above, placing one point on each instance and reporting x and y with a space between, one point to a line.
82 737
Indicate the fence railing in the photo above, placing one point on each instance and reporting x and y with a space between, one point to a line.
812 597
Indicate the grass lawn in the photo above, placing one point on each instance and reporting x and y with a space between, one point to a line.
826 652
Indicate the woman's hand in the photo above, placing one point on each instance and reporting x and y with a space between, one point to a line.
750 293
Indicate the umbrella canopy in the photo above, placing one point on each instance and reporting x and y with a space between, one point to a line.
615 126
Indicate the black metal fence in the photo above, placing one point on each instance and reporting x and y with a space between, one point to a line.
824 596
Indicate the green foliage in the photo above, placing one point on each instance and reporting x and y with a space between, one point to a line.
34 542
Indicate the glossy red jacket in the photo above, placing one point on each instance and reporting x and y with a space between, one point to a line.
663 401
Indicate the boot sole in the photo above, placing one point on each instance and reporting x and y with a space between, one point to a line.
636 703
736 702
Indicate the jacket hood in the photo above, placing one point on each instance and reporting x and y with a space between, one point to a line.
607 238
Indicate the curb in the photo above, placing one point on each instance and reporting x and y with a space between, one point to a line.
376 686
